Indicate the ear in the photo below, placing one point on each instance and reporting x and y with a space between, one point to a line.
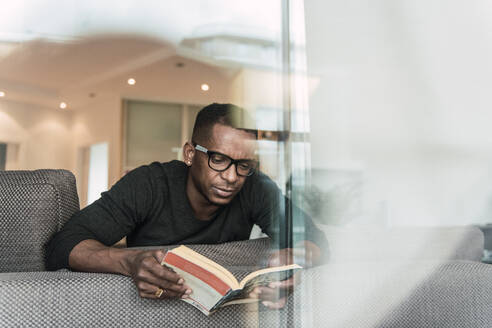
188 153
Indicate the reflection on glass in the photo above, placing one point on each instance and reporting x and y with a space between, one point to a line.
132 77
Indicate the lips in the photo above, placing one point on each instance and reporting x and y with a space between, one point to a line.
223 192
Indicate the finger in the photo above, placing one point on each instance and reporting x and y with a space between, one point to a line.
147 295
149 289
163 271
293 281
146 287
283 284
275 305
154 292
180 286
164 295
153 263
159 255
271 294
150 278
255 293
166 273
147 278
155 274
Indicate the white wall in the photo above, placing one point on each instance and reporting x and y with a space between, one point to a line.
43 135
51 138
102 121
404 98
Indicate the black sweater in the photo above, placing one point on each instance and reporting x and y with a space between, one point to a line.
149 205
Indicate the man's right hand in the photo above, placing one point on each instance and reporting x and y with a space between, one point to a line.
150 276
143 266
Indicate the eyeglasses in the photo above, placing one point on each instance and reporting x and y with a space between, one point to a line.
220 162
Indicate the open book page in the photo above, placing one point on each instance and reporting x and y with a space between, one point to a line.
265 276
253 279
237 296
239 273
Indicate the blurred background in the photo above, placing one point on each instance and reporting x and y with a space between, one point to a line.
372 112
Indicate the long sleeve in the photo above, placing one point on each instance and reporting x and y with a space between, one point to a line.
107 220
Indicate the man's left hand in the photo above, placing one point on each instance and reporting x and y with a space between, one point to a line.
274 296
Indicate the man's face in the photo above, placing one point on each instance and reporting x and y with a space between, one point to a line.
219 188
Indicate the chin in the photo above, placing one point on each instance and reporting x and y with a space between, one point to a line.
220 201
218 197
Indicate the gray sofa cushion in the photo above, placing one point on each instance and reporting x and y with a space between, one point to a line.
404 243
73 299
390 294
370 294
68 299
33 206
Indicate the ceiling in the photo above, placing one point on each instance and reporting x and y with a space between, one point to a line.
46 73
72 51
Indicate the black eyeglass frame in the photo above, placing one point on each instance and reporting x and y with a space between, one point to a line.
210 153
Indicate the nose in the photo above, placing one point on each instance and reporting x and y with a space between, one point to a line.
230 175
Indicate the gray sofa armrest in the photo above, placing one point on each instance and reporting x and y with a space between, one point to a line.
390 294
66 298
33 206
371 294
72 299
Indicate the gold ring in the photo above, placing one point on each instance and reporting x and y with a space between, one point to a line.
159 292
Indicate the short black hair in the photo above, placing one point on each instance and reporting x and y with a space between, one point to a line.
225 114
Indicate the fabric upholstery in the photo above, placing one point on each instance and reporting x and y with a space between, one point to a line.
72 299
371 294
66 299
33 206
451 294
404 243
390 278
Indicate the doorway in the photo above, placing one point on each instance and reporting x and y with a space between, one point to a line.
93 168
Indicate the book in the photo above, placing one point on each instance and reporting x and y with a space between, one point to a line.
213 285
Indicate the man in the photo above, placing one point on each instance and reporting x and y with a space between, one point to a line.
214 196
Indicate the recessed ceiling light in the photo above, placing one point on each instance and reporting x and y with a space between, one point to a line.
205 87
131 81
63 105
2 94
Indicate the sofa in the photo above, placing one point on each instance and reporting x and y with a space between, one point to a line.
399 277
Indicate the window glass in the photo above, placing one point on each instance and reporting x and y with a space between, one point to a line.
132 75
